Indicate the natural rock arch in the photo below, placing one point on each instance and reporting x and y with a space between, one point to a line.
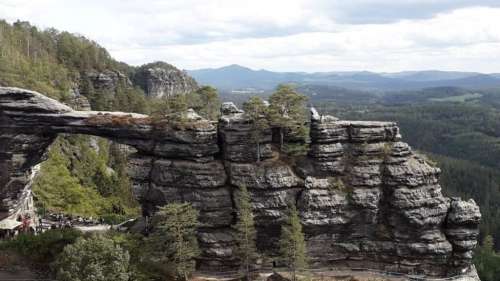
365 199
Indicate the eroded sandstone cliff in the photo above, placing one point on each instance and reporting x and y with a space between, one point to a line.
365 199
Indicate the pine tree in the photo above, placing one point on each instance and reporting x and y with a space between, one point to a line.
487 261
245 231
174 240
292 243
256 111
206 102
287 111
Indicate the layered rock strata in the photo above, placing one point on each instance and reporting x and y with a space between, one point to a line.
365 199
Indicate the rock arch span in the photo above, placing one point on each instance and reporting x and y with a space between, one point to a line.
365 199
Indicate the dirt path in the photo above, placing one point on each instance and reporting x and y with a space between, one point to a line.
316 274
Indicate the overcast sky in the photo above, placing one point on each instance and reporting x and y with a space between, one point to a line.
282 35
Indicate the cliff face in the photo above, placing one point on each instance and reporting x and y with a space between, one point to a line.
164 80
365 199
107 81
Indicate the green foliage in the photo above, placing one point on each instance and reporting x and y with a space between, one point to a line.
58 190
47 61
487 261
76 179
128 99
169 106
53 62
205 101
467 179
44 247
287 111
292 243
93 259
246 234
124 98
174 240
257 111
141 268
463 131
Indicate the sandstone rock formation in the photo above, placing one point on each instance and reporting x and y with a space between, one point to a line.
107 80
164 80
365 199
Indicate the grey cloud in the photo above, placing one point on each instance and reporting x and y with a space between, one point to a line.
387 11
337 11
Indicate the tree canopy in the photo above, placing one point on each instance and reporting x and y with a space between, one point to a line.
174 240
287 111
93 259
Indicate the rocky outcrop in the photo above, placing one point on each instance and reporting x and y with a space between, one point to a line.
164 80
77 101
106 81
365 199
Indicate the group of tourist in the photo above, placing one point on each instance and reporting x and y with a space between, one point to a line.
55 220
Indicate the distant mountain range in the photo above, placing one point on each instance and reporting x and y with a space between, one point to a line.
236 77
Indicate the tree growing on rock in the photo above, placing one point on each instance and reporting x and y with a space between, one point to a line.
174 240
206 102
93 259
287 111
256 110
292 243
245 231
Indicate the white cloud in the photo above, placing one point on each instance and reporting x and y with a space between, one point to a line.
293 35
